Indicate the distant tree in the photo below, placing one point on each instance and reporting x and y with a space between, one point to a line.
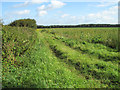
24 23
1 22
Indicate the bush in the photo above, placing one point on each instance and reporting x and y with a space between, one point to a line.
24 23
15 43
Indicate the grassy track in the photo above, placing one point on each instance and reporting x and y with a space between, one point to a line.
89 66
58 59
100 51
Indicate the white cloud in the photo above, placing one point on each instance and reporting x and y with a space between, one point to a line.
41 13
29 2
41 7
106 16
56 4
21 5
38 1
22 12
42 10
64 15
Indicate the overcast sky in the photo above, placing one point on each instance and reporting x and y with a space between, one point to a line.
60 12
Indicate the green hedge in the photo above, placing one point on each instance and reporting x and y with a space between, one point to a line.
24 23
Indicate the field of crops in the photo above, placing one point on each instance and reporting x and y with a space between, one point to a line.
61 58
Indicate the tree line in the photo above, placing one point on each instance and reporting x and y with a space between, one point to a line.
82 25
32 24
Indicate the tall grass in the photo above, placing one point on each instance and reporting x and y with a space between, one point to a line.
106 36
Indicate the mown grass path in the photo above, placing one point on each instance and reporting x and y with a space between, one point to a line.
90 67
51 63
59 73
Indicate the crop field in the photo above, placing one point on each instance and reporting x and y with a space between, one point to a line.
60 58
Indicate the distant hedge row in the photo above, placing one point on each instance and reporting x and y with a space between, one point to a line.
24 23
82 25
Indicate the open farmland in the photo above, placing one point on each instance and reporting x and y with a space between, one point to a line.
93 52
62 58
60 44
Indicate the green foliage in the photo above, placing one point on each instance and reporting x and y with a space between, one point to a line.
92 59
99 50
41 69
105 36
16 42
31 23
97 39
59 58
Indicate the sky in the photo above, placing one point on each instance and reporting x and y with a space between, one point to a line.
60 12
